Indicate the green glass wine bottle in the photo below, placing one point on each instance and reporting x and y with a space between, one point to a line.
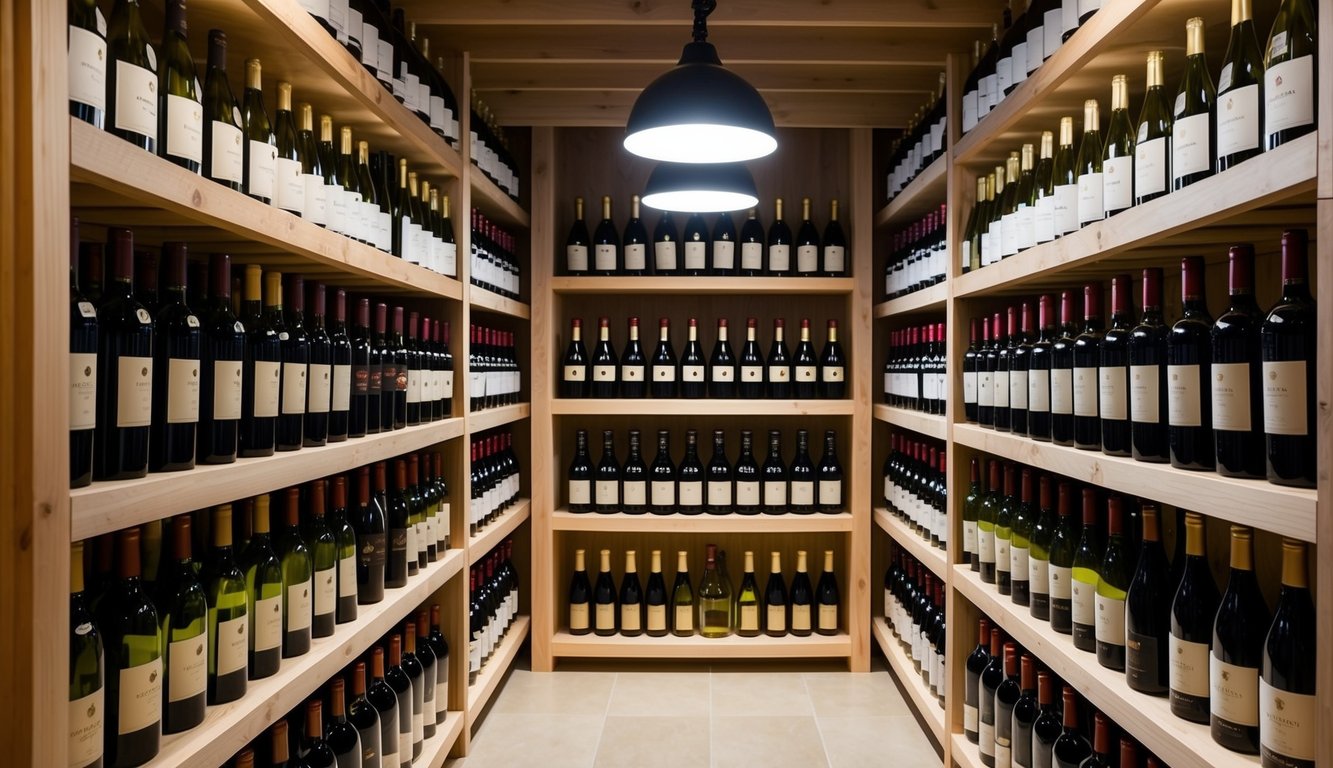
263 594
183 612
87 692
228 617
133 646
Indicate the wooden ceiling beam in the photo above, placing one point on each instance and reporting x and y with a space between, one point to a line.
777 76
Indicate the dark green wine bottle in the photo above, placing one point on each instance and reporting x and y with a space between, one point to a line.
131 78
87 693
1192 134
223 141
180 113
183 611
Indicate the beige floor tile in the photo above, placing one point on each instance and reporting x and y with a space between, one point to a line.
845 694
759 693
556 693
858 742
661 694
654 742
534 741
767 742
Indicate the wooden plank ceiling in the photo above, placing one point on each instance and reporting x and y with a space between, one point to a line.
818 63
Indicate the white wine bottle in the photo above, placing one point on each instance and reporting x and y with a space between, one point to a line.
131 81
827 595
802 597
228 618
1238 119
580 596
1043 216
263 587
1118 154
180 111
1192 129
1152 174
1065 183
183 611
682 598
133 647
86 685
714 599
1091 205
747 601
1289 74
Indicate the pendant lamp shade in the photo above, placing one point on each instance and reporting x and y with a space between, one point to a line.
693 188
700 112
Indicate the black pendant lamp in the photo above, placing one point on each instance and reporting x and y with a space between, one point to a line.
695 188
700 112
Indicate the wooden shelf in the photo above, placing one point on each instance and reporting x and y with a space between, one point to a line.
934 558
923 194
927 424
480 298
700 407
564 520
480 545
117 184
480 421
229 727
666 286
1147 718
930 299
1179 220
965 753
1256 503
436 749
495 202
699 647
112 505
927 705
488 679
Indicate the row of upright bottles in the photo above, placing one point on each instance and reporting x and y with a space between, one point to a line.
918 256
916 369
922 143
1233 394
495 265
916 488
491 152
494 376
496 478
493 605
697 250
914 611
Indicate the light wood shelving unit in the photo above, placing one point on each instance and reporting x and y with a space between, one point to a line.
698 647
903 535
930 425
619 522
493 672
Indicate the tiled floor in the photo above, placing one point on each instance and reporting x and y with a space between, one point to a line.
699 716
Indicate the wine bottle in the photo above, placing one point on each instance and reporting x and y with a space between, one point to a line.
297 575
1193 611
1148 413
1101 746
363 716
634 260
751 382
1147 612
662 478
1040 539
343 743
775 599
1065 183
289 429
124 372
1188 357
1289 74
1192 130
1114 576
1039 361
1064 544
340 395
1087 560
574 377
176 351
1006 504
580 596
402 371
801 598
1020 353
971 245
371 526
721 365
829 477
1238 116
1009 206
1236 378
83 400
714 598
778 372
774 476
747 601
1026 712
807 244
134 667
693 370
1288 351
228 620
1087 357
1118 153
1062 375
690 478
364 398
682 598
180 111
288 182
1049 725
801 477
976 663
992 249
264 595
827 594
606 493
400 541
576 244
832 366
345 541
1287 709
633 365
87 657
605 243
221 141
694 241
1152 171
991 678
604 363
260 147
634 479
401 685
749 481
1020 541
183 615
655 599
752 243
324 559
385 701
833 258
314 184
1238 650
315 751
1113 372
722 248
1005 343
778 253
664 363
987 511
1007 694
131 81
665 244
87 78
805 368
971 513
1072 748
383 374
319 377
718 489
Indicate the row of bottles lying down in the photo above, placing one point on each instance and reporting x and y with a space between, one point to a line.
664 487
1049 191
159 634
697 250
712 608
1108 584
1235 394
203 371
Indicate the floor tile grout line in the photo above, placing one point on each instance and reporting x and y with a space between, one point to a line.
606 715
819 729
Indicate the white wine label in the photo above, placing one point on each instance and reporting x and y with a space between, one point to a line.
800 618
692 373
1286 404
636 257
136 99
293 388
85 721
604 257
749 617
134 392
807 259
630 618
1149 166
1189 666
696 255
1233 692
828 617
1003 755
779 258
182 391
1085 392
1231 396
969 110
1061 582
691 493
1043 219
1190 150
1004 73
608 492
971 717
747 493
187 675
832 373
1000 385
970 543
780 374
227 153
657 618
1084 596
986 389
719 493
684 618
1288 94
576 372
1288 723
830 493
326 591
1112 394
835 259
604 373
140 696
185 128
724 255
82 389
87 85
664 255
724 373
775 493
298 606
1144 405
664 373
752 256
969 387
267 625
1039 391
663 493
268 386
1118 182
606 616
288 185
802 492
986 740
316 198
985 544
341 398
1091 202
1237 119
635 493
805 373
1018 562
1066 208
1002 559
347 576
1110 627
1182 396
262 167
578 616
752 374
1052 33
1039 574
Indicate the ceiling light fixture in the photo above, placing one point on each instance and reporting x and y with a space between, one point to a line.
700 112
693 188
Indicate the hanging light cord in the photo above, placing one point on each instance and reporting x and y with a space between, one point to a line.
701 10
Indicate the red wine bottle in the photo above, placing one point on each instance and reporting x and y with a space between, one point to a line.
1072 748
288 311
721 365
83 366
402 365
987 360
1006 345
778 253
319 392
748 481
606 244
722 258
751 384
579 476
664 363
574 367
1020 356
1147 375
805 366
778 368
1148 611
340 398
991 677
1113 371
605 364
634 479
1238 650
1006 697
833 259
1026 712
977 661
124 371
1048 727
633 365
634 244
752 246
388 381
606 481
719 494
1087 357
802 481
1062 375
1193 610
662 478
774 477
693 368
1188 357
1236 372
261 373
832 366
1287 708
807 244
694 242
690 478
1288 350
970 375
830 477
176 351
577 243
666 260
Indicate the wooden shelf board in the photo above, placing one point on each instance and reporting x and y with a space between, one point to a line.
965 753
112 505
700 407
109 174
1256 503
480 298
699 647
930 299
480 545
933 557
495 202
923 194
1286 174
480 421
229 727
436 749
927 705
927 424
665 286
1147 718
488 679
564 520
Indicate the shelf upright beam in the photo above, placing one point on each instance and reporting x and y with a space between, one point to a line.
860 313
34 470
1324 446
543 473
